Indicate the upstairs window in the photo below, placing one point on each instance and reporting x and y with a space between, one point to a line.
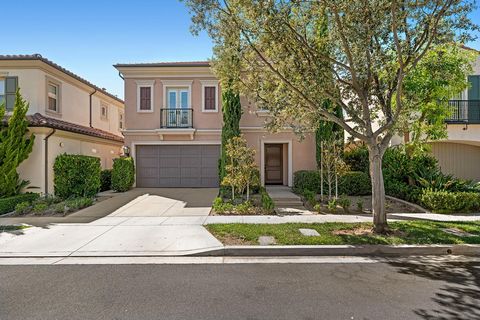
178 98
145 95
8 90
53 94
104 111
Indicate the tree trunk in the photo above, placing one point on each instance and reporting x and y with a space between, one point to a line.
378 190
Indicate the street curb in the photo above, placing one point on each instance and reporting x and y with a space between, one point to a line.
343 250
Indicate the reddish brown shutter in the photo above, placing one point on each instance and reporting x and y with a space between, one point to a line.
145 101
210 98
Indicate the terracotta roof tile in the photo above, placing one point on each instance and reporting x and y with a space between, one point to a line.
38 120
60 68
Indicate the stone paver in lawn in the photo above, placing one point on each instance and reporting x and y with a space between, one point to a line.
309 232
266 240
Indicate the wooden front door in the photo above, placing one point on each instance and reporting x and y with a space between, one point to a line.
273 164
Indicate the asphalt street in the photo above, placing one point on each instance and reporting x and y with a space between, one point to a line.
431 289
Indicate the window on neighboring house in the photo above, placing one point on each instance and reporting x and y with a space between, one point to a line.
8 90
145 98
210 98
120 120
104 111
53 94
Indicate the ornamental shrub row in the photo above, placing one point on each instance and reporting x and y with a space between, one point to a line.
352 183
448 202
8 204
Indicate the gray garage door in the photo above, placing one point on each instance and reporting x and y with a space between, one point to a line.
192 166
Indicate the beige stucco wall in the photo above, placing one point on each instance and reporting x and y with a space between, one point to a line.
460 159
33 169
74 95
151 120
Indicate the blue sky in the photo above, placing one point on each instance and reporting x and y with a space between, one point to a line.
88 37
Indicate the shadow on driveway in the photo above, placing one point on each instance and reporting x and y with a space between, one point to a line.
459 298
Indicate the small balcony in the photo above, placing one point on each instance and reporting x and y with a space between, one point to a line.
464 111
176 118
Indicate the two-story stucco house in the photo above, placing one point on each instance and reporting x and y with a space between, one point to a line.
459 154
67 114
173 123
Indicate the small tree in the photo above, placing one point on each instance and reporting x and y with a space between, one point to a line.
241 170
15 146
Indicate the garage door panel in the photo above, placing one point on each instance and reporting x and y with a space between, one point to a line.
177 165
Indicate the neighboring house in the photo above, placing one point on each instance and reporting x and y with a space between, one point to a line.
173 123
459 154
67 114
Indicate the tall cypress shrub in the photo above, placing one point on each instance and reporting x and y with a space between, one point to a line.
15 146
232 112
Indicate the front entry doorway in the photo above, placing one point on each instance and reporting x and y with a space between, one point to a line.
273 163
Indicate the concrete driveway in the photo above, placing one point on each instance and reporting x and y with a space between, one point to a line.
153 222
168 202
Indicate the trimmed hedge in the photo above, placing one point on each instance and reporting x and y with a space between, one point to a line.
106 180
352 183
447 202
355 183
76 176
8 204
123 174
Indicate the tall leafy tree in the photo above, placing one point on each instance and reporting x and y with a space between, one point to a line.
373 46
439 76
15 146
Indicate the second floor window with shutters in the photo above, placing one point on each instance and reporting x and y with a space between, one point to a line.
120 120
145 98
52 97
210 98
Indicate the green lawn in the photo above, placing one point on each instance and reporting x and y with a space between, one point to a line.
408 232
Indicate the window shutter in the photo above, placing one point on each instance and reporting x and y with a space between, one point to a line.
209 98
474 90
11 85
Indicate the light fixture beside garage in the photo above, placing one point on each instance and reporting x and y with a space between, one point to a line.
61 144
94 150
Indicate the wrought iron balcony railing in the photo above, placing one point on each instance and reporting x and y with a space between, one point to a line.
464 111
176 118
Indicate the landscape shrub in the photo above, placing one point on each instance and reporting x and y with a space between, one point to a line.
8 204
357 159
306 180
105 179
76 176
310 196
267 201
447 202
355 183
351 183
23 207
123 174
40 208
345 203
60 208
221 207
78 203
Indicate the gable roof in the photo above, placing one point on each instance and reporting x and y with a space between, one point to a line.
39 57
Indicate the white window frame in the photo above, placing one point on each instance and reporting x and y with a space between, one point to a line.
145 84
57 97
177 84
104 105
178 102
209 83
